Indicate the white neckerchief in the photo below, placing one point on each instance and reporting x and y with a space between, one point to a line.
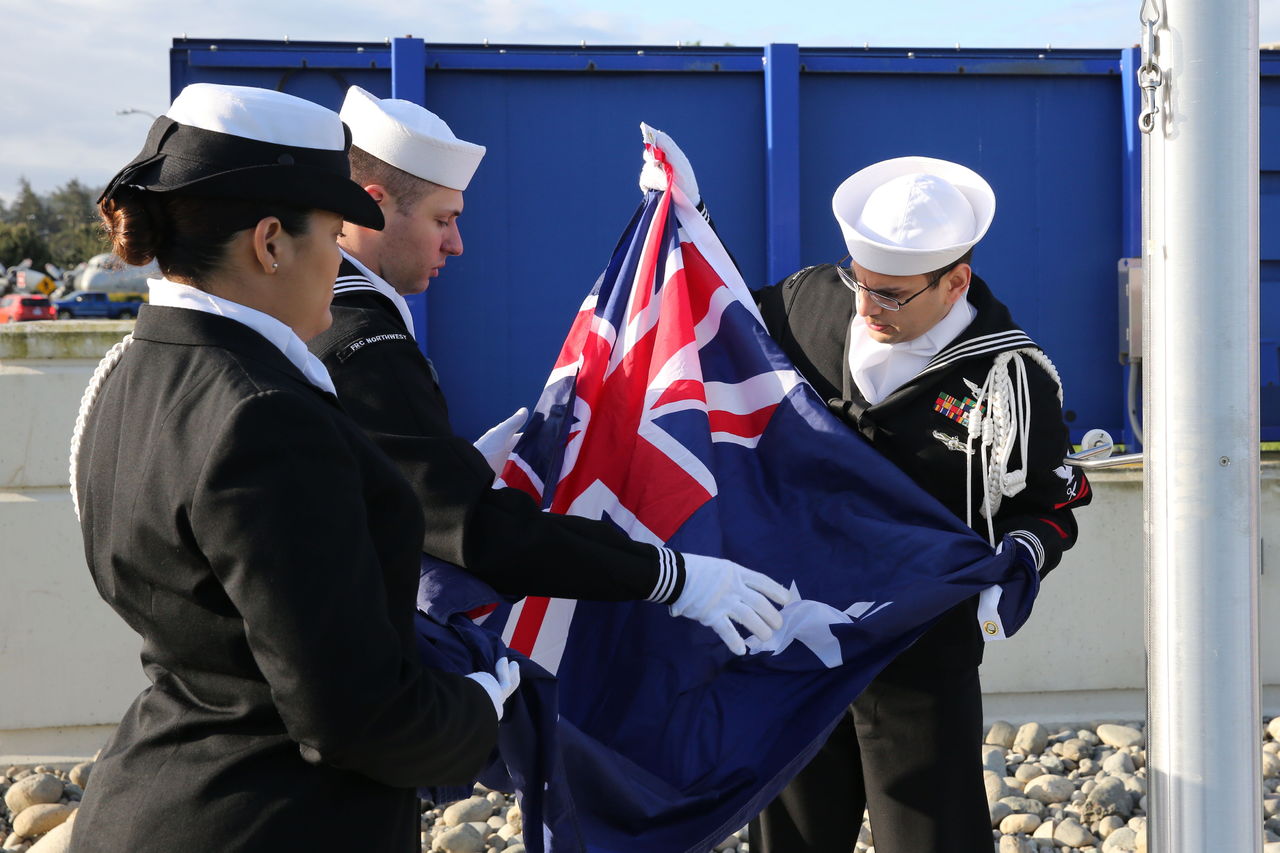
879 369
386 290
171 294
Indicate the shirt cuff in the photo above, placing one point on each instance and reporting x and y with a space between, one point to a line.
670 577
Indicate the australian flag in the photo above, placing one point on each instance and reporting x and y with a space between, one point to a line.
671 413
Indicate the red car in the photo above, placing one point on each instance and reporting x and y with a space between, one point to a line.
25 306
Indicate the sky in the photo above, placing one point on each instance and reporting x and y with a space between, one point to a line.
68 67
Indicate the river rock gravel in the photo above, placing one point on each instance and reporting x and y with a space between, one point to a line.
1076 789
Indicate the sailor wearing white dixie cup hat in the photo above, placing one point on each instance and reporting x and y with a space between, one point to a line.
244 526
912 350
415 168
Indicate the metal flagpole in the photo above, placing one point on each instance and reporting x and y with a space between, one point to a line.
1200 77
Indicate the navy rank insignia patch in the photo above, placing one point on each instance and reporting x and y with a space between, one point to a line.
956 410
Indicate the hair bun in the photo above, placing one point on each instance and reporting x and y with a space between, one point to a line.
135 224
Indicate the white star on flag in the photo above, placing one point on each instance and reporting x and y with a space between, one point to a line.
809 623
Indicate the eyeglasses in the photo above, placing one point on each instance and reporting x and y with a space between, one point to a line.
885 301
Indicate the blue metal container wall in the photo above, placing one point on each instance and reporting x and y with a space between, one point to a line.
1049 130
556 187
1269 249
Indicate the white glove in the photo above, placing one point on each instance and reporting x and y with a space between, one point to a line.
496 444
654 177
717 591
499 684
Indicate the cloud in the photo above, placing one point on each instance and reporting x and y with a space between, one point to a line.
79 61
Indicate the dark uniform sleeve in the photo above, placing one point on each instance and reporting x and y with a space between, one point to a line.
309 587
500 535
1040 516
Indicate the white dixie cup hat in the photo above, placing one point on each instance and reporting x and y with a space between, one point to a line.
411 138
912 215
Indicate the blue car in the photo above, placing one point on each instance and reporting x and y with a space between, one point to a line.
89 304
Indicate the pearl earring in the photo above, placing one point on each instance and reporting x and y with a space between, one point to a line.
274 266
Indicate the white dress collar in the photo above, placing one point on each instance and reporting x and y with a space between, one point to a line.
879 369
381 286
171 294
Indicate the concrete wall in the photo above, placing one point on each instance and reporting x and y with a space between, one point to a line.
69 666
1081 656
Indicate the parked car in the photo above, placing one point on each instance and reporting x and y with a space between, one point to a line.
25 306
91 303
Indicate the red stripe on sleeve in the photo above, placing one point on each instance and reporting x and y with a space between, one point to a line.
1061 532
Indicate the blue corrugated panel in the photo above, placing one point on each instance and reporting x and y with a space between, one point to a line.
1269 245
555 189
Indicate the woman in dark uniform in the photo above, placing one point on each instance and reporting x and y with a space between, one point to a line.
234 516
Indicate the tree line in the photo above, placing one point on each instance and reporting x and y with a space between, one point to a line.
60 227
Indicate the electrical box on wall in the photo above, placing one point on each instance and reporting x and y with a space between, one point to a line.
1130 309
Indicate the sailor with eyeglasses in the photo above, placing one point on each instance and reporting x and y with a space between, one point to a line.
913 351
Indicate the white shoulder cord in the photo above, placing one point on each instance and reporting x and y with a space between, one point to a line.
1006 398
90 396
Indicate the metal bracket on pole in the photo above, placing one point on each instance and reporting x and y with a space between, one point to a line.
1096 454
1150 77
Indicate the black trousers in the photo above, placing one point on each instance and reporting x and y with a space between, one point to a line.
909 750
